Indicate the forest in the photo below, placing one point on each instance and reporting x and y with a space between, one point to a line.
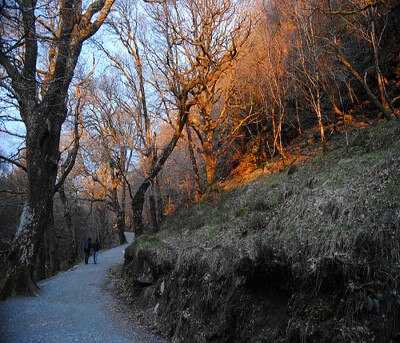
116 114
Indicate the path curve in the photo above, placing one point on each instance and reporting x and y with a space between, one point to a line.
71 308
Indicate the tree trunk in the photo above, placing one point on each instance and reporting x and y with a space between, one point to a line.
277 130
152 208
160 204
123 214
42 155
209 158
388 114
119 212
321 126
386 102
40 267
137 208
194 166
73 248
121 227
156 166
123 200
336 109
52 247
43 119
210 168
297 114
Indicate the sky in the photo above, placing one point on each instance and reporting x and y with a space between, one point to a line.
10 144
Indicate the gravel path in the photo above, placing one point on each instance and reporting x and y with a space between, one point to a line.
72 308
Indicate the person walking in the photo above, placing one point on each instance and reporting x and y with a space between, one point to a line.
87 248
96 248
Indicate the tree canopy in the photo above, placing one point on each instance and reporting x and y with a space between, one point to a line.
133 110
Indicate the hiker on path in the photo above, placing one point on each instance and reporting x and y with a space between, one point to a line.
86 249
96 248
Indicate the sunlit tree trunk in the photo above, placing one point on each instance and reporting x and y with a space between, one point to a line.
209 158
297 112
386 101
387 114
277 132
320 124
310 51
196 172
352 15
210 168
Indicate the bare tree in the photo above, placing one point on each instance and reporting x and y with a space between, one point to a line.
276 81
131 66
76 105
310 49
186 61
213 40
196 173
362 19
104 160
36 35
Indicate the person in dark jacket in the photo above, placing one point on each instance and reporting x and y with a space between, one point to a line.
96 248
87 248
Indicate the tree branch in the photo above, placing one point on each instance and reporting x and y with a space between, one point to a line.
13 162
369 4
88 29
12 192
70 161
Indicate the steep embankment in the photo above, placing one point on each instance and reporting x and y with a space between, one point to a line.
308 254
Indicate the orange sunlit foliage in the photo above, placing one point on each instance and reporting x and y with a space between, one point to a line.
285 94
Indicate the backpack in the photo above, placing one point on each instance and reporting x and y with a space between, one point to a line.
86 246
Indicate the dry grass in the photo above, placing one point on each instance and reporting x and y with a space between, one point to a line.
318 247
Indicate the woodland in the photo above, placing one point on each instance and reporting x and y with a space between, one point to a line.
116 114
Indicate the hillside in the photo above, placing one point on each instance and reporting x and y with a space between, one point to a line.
310 253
